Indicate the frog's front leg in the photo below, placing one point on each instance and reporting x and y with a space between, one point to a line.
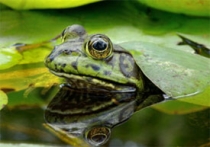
21 47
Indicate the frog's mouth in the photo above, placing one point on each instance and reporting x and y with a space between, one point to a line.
92 83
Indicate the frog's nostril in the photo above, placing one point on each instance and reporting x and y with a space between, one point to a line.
66 51
49 59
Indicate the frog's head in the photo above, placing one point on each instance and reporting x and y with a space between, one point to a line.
93 62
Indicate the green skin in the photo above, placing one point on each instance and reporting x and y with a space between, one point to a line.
94 63
72 60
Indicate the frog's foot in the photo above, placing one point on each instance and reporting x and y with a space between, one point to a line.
21 47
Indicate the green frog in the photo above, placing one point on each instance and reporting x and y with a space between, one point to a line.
133 75
94 62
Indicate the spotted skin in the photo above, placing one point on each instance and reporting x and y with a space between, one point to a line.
74 65
71 61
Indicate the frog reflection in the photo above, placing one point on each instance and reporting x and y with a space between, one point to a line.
91 115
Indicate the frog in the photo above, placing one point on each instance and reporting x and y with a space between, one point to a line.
94 62
119 79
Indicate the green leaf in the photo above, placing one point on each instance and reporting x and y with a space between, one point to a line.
9 57
190 7
201 98
177 73
3 99
40 4
24 145
22 98
27 76
179 107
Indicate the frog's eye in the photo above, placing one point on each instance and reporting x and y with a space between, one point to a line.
99 46
73 32
98 135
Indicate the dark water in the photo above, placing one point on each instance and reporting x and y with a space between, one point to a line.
124 126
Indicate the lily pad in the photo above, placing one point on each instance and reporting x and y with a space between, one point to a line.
177 73
189 7
34 4
24 145
25 76
178 107
9 57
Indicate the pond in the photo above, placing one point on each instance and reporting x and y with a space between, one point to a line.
146 50
108 118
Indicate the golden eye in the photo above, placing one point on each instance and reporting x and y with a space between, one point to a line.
73 32
99 46
98 135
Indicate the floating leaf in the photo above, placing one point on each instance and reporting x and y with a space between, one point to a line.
178 107
201 98
27 75
9 57
190 7
177 73
23 145
39 4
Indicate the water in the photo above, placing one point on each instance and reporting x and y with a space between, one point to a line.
111 119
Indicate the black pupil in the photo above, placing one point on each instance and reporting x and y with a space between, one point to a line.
99 45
